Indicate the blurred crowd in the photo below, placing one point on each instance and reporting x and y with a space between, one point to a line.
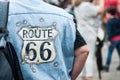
98 21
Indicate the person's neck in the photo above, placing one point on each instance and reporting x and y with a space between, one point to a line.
112 17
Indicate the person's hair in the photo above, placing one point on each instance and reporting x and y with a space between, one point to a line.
76 2
90 1
111 10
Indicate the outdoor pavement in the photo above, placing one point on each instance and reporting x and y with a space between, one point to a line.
113 74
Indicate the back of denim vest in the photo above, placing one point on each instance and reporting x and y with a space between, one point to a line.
43 37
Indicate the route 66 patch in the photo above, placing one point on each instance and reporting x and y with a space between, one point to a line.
38 44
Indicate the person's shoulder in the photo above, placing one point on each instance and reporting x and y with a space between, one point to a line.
41 7
57 11
113 21
110 21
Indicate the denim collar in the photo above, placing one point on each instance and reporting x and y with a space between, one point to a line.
27 1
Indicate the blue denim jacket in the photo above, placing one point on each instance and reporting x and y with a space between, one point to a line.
43 37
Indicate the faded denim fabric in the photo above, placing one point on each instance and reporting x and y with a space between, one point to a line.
43 37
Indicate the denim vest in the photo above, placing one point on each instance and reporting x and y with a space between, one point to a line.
43 37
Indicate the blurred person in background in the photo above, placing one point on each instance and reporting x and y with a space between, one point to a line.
113 32
112 3
86 14
64 3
